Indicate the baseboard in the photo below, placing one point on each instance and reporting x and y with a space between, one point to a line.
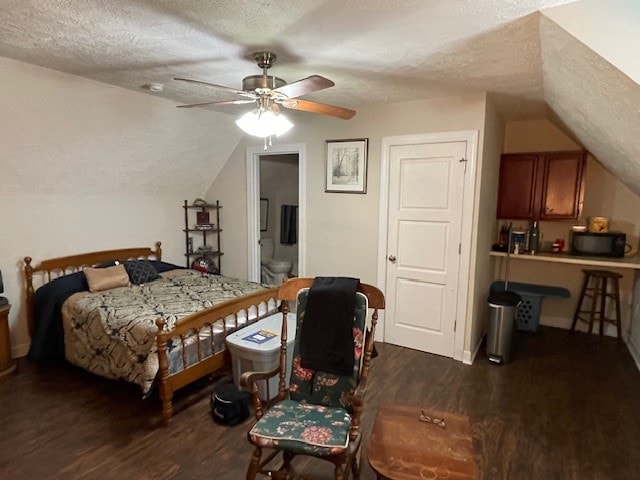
468 356
635 352
563 322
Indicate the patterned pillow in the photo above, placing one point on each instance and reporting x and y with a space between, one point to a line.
100 279
140 271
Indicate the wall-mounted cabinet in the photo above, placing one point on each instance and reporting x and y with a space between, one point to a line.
541 186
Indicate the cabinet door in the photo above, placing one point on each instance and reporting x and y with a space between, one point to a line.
562 190
517 190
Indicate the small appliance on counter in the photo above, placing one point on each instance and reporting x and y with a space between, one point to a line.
603 244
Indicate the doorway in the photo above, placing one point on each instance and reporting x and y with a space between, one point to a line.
270 189
425 224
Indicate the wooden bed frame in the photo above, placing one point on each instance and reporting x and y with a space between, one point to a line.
167 383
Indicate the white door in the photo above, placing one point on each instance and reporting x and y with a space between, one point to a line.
426 186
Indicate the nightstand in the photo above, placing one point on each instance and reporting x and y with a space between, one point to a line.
7 364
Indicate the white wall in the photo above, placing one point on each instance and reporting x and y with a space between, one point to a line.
484 231
85 167
342 229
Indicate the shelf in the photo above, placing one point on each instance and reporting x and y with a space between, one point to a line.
632 262
201 254
212 230
208 205
202 237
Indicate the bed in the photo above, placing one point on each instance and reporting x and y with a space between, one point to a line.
157 325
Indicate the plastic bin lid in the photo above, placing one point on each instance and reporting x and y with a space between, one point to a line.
505 298
262 336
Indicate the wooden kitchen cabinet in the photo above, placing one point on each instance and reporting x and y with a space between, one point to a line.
541 185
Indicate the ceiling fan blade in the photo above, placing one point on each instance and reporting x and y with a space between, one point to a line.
221 87
315 107
226 102
304 86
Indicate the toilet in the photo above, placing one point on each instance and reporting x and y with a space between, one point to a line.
273 271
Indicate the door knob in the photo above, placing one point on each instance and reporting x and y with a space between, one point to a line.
392 258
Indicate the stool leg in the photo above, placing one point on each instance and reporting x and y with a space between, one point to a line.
594 302
585 282
603 305
616 298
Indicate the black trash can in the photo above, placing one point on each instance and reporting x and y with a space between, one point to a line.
503 306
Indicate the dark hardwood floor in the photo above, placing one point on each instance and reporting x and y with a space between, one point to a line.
566 407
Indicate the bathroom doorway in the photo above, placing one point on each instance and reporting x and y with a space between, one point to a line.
278 217
275 213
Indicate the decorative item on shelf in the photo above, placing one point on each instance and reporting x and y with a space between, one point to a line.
205 226
205 265
190 245
205 249
202 218
199 202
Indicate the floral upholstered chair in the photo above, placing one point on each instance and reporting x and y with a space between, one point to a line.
319 413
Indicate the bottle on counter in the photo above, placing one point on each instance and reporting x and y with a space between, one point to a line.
534 238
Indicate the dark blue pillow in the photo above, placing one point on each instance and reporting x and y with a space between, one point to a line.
163 266
140 271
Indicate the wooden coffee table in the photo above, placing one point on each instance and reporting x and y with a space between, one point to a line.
403 447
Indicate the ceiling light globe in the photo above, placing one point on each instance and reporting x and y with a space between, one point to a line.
264 123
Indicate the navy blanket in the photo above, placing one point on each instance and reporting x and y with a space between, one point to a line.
326 339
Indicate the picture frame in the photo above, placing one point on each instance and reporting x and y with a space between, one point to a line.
264 214
346 165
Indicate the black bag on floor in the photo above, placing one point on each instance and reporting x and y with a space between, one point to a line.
229 406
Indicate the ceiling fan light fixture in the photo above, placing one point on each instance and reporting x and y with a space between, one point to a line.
263 123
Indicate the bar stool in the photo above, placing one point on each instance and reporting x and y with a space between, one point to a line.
598 294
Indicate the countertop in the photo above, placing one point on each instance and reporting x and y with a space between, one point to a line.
632 262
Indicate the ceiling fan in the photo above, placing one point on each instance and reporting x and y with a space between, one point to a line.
269 93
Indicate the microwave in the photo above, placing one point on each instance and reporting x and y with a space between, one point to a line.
604 244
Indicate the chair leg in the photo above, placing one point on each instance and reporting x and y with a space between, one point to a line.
254 465
603 305
339 472
594 303
616 297
583 291
355 466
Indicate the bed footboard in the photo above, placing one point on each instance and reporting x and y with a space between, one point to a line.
204 333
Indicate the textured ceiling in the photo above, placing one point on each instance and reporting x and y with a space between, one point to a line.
375 51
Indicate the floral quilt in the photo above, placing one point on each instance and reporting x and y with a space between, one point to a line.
112 333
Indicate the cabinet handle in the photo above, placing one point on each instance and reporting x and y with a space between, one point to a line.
392 258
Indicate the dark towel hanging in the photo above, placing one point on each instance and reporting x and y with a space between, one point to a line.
289 225
326 339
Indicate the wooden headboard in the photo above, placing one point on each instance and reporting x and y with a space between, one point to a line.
74 263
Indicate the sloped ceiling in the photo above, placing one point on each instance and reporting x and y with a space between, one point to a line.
374 50
593 89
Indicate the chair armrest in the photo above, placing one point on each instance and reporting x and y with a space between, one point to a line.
359 392
248 381
357 402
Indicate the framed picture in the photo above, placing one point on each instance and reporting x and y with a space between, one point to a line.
346 166
264 214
